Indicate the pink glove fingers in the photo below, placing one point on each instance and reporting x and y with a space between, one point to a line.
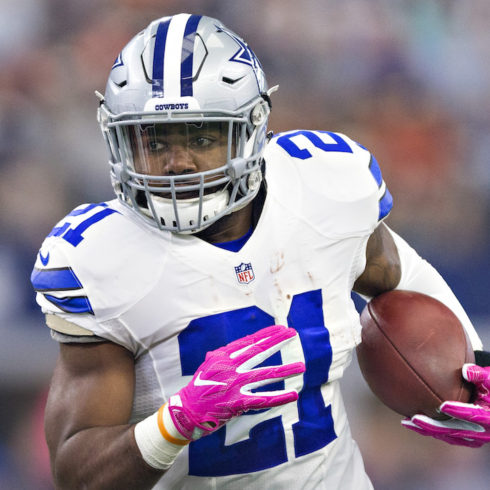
455 428
276 331
218 389
476 374
459 441
455 441
441 426
268 401
271 374
262 349
480 377
462 441
469 424
467 411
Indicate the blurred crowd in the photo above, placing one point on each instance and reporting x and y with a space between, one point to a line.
409 79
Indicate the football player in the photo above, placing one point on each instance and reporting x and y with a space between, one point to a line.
205 315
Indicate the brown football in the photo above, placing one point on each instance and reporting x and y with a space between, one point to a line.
412 351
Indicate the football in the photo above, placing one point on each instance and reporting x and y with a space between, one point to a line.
412 351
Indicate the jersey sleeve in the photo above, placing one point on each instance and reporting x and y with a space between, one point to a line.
82 277
60 293
340 182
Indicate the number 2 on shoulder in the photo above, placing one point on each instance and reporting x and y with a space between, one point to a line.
292 147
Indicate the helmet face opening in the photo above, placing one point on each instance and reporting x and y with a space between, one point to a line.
178 153
185 150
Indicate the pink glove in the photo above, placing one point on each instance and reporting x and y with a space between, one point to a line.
220 388
470 422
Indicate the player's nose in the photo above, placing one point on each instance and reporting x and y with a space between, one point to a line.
178 161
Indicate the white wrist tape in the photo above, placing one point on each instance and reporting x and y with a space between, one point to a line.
158 440
418 275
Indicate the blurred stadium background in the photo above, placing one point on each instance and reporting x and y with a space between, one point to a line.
409 79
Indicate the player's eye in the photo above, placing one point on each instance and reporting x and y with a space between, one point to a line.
202 142
155 146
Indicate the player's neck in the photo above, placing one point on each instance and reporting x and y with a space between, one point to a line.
230 227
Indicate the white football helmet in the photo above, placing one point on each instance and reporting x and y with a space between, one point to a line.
189 78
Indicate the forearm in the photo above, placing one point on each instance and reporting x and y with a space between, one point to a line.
103 458
418 275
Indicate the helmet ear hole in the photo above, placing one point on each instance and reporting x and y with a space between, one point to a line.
259 113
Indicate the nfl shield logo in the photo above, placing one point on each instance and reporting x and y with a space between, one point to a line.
244 273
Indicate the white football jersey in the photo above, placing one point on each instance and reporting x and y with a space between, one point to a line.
170 298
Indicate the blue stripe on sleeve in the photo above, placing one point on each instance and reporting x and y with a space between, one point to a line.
386 201
78 304
385 204
63 279
375 171
187 55
158 57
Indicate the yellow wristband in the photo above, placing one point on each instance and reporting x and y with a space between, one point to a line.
158 445
164 431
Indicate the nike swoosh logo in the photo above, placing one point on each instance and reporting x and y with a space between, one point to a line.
44 260
205 382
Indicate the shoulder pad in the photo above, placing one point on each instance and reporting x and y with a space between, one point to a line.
95 262
53 278
339 179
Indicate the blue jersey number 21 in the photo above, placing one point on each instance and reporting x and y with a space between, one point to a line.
266 445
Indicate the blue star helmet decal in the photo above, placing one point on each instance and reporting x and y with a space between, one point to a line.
117 62
246 56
